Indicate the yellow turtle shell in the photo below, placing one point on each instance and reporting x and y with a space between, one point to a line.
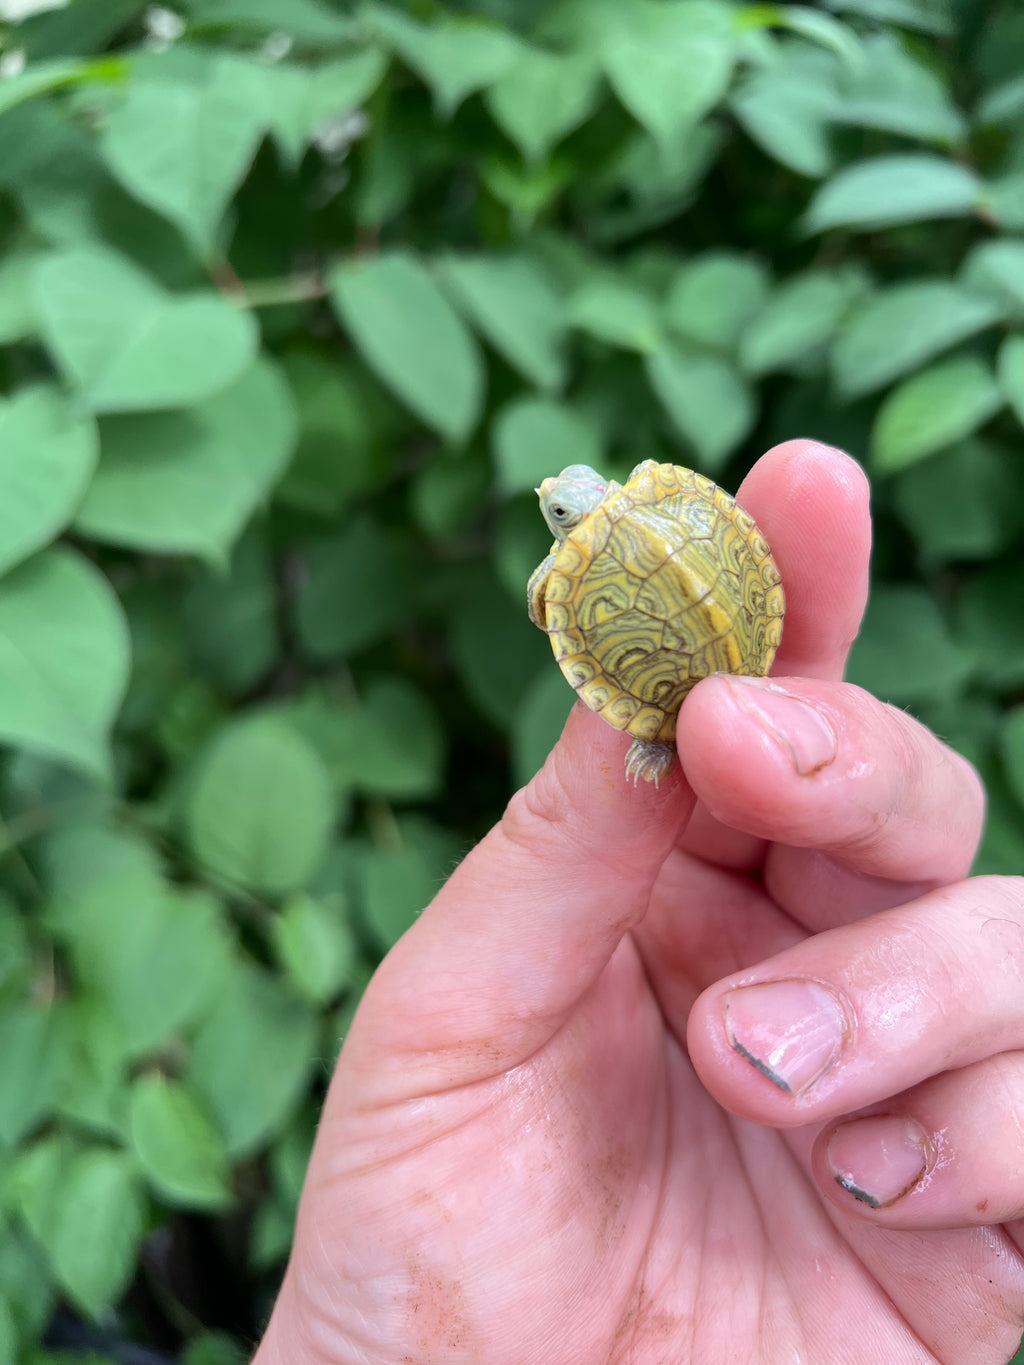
664 582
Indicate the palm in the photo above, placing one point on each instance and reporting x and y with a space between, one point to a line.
597 1205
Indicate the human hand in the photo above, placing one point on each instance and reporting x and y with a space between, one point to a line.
572 1123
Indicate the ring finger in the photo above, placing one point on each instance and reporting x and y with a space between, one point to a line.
948 1153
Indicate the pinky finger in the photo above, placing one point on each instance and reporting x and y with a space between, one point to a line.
947 1154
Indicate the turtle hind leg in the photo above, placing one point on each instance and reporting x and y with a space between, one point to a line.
650 760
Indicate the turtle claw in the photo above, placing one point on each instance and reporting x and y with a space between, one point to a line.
649 760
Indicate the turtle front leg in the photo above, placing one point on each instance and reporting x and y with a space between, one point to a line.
649 759
535 592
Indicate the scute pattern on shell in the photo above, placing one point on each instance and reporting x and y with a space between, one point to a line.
664 583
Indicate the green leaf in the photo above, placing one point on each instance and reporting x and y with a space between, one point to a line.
303 101
215 1348
822 29
787 106
153 954
538 721
251 1059
25 1283
996 270
1013 750
542 97
77 28
521 542
497 650
17 299
230 619
99 1206
454 57
408 333
63 659
126 344
34 1182
714 297
449 494
93 1086
892 91
387 743
965 503
1003 201
670 62
903 326
990 622
887 190
707 400
512 302
1011 373
315 946
16 965
177 1147
905 652
8 1333
798 320
187 482
183 147
47 456
396 885
340 408
616 312
259 808
931 410
33 1054
930 16
527 192
305 21
44 77
535 437
1003 103
358 585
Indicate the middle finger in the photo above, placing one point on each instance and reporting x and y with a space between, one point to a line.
852 1016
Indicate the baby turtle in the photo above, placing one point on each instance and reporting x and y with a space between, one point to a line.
648 588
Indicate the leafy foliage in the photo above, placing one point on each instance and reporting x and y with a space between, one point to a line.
299 299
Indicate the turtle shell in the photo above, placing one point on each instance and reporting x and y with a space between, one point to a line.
664 583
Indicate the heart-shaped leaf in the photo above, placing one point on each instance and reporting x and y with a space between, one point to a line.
670 62
408 332
260 808
183 147
187 482
63 659
180 1152
126 344
47 456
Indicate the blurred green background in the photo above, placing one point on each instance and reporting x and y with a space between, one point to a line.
298 301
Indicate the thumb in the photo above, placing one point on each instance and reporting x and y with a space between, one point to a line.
526 923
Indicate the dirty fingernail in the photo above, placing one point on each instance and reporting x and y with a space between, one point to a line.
801 728
879 1159
790 1031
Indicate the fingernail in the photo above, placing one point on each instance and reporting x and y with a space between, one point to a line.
790 1031
879 1159
804 731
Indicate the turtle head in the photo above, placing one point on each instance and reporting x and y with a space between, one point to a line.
570 498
